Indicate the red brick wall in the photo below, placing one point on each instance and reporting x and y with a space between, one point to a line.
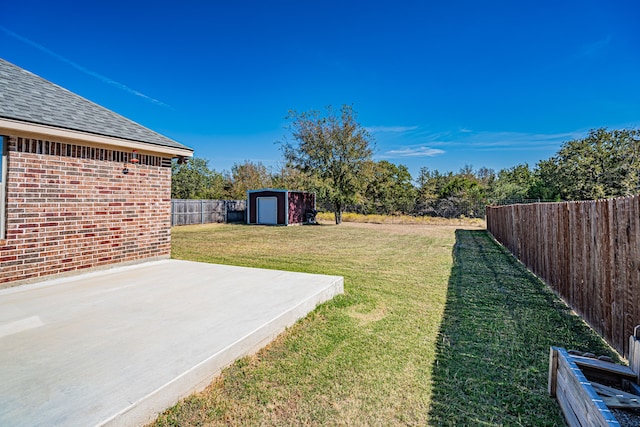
67 214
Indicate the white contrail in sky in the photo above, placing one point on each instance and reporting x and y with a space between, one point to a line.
82 69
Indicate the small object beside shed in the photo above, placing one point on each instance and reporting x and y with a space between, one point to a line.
270 206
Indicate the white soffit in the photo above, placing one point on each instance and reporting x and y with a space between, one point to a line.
38 131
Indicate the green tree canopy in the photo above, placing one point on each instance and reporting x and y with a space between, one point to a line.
604 164
388 188
194 180
333 147
514 183
294 179
248 176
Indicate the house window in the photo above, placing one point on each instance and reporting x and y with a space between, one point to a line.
3 181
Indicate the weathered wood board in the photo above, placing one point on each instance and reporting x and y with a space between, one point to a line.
580 403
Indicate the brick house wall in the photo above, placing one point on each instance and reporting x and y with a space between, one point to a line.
71 208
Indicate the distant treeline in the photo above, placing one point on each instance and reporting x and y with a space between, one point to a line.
603 164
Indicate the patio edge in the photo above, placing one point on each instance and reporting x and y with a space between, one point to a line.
201 375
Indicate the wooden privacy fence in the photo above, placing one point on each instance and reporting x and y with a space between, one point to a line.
185 212
586 251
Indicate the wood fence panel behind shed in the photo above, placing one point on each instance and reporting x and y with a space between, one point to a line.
236 210
213 211
187 212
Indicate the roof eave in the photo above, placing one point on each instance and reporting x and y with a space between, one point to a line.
40 131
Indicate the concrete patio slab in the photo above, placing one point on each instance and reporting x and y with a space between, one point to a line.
117 347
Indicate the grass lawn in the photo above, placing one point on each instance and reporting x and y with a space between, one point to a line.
438 326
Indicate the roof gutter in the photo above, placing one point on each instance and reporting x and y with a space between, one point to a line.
38 131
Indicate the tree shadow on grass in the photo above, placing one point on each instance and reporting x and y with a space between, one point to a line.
492 357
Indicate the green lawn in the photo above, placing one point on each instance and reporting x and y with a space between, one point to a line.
417 339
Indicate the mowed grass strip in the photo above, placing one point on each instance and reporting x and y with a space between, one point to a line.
415 339
492 361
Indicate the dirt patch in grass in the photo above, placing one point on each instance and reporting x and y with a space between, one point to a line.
366 314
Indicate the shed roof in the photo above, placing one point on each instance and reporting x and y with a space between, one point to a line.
26 97
276 190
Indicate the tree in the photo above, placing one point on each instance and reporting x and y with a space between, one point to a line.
248 176
333 148
429 186
194 180
294 179
545 185
388 189
514 183
486 178
453 195
604 164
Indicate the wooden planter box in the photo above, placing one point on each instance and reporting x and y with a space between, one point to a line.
578 400
587 388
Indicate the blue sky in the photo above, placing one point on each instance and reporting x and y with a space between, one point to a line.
438 84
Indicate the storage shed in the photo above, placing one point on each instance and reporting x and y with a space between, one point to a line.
270 206
81 187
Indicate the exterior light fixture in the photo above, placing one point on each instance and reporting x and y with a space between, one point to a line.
134 159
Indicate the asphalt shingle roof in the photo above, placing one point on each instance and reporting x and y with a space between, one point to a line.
30 98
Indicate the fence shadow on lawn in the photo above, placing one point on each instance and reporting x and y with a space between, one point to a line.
493 344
